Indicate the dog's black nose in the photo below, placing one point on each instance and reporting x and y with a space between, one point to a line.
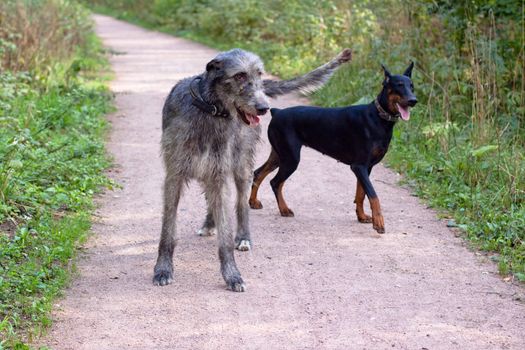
262 110
412 102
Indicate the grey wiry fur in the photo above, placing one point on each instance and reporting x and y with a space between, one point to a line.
315 79
210 149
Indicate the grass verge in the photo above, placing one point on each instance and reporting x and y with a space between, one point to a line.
52 157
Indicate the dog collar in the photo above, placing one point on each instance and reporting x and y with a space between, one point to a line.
384 114
199 102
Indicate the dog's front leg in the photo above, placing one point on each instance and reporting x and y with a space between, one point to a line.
163 271
242 238
359 201
216 193
362 174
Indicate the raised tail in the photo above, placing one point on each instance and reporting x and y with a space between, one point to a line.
310 81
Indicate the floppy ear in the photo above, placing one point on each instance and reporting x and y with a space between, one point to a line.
408 71
214 64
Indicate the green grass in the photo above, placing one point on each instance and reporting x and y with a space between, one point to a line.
468 186
52 161
36 264
464 148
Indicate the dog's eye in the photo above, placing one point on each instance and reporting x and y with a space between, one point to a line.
242 76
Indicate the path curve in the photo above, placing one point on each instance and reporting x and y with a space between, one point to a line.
320 280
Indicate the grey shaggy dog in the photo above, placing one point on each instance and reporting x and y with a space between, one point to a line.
210 125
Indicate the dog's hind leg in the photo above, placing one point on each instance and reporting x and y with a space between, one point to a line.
242 238
258 176
216 193
163 271
359 200
289 156
208 226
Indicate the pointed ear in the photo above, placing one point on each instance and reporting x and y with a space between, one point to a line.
387 73
408 71
214 64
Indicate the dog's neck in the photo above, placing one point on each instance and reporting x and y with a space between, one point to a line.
384 107
207 91
205 98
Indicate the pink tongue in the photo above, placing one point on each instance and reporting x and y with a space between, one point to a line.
405 112
253 119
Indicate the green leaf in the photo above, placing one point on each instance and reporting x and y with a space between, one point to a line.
16 164
483 150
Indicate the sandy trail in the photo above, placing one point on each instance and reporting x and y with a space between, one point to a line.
320 280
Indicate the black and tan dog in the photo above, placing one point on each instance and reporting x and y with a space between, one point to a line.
356 135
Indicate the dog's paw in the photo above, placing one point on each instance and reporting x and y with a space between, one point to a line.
379 223
379 230
366 219
236 284
287 212
255 204
345 56
207 231
244 245
162 278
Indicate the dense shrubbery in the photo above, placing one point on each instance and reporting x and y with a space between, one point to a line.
51 153
464 148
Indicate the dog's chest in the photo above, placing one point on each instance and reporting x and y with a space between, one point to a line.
219 154
378 151
212 157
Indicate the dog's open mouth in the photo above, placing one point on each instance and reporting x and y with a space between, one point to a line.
404 111
251 119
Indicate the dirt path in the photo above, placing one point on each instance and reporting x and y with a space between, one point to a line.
318 281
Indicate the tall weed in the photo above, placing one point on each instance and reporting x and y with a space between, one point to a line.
36 34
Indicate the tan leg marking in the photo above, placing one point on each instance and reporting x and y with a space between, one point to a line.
271 164
253 201
359 200
283 208
377 217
